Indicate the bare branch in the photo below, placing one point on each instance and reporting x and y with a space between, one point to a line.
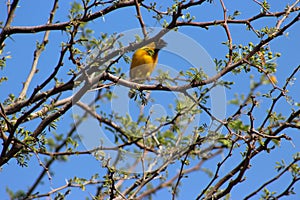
39 49
10 30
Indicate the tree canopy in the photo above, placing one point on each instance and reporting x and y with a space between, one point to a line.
219 117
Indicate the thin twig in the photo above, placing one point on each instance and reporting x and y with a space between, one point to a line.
287 13
271 180
216 175
225 26
140 18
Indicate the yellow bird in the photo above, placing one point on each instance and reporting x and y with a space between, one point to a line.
144 61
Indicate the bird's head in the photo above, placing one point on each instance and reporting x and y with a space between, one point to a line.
157 45
160 44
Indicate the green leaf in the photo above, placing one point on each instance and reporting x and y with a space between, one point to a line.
238 125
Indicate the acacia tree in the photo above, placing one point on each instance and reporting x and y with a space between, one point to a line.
78 72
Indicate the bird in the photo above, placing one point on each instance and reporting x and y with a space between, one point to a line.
143 62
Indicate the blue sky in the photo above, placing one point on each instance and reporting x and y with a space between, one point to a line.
21 48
